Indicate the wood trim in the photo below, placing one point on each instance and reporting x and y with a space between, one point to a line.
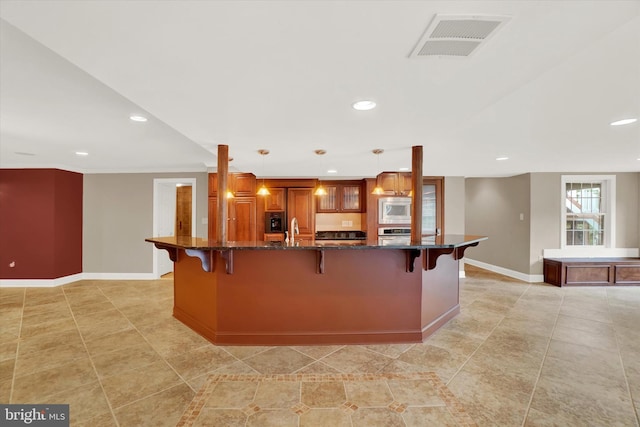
416 194
222 206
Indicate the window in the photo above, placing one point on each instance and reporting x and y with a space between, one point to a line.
588 211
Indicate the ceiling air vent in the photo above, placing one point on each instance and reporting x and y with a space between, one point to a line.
457 35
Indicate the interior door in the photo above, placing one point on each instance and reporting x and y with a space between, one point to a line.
183 211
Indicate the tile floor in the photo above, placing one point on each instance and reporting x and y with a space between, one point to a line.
518 354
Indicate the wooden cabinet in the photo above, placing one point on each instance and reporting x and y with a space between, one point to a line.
300 204
275 202
342 196
241 218
274 237
395 183
240 184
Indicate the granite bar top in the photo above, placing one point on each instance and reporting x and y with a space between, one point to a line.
431 242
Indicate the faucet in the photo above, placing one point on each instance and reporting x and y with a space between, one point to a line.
293 229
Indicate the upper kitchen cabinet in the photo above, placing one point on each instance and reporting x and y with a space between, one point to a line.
342 196
240 184
275 201
300 205
395 183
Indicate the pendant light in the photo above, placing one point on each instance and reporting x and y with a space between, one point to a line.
378 190
320 190
263 190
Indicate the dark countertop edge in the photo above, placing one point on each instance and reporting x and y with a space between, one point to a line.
315 245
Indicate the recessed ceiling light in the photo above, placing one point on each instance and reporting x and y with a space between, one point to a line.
138 118
364 105
502 158
332 171
403 169
81 153
623 122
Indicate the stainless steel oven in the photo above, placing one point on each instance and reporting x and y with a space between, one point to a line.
394 210
393 235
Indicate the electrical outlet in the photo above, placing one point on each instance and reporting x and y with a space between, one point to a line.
205 221
347 223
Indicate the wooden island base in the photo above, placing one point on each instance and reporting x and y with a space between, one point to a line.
257 293
277 298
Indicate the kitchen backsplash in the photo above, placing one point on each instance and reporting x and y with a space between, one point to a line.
339 221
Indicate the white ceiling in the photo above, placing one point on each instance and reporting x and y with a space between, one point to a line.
282 75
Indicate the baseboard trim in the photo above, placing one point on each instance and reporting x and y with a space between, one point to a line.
529 278
51 283
40 283
119 276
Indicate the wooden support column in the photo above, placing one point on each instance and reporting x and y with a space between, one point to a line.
416 194
223 171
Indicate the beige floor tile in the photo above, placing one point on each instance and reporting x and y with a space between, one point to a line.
158 410
324 394
478 325
389 350
114 341
85 402
123 359
221 417
60 306
48 316
49 358
278 360
102 329
454 341
474 381
317 351
6 369
11 310
432 358
97 307
273 418
104 420
8 348
585 312
585 357
39 386
10 328
5 390
325 417
367 417
130 385
370 393
273 395
51 341
238 367
604 341
589 405
232 394
173 344
415 393
86 320
317 368
66 323
432 416
244 351
353 359
203 359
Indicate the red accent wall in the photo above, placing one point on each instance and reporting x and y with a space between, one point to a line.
40 223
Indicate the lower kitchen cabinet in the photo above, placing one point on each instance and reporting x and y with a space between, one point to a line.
241 218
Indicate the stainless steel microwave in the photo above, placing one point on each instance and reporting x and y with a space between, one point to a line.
394 210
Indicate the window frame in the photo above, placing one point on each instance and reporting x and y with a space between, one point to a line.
608 186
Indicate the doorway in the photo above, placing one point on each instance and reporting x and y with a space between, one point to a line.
167 220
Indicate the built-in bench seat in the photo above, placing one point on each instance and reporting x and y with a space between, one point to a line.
592 271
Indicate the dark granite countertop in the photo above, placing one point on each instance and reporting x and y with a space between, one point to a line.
431 242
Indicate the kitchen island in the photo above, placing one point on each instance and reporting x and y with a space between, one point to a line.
315 292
